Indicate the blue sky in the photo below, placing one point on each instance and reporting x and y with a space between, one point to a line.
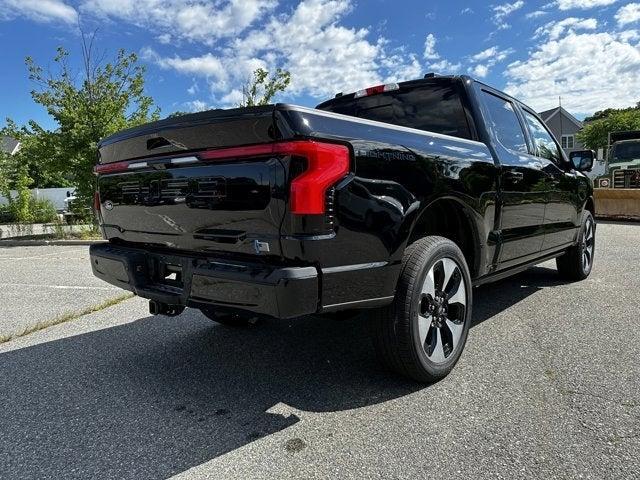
199 52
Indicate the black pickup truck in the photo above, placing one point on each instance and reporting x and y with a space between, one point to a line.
398 198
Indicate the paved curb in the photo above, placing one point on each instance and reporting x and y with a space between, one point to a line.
39 243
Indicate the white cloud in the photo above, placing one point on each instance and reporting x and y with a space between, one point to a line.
628 14
39 10
486 59
194 20
480 71
493 53
430 48
555 30
591 71
196 105
466 10
583 4
322 56
445 67
536 14
502 11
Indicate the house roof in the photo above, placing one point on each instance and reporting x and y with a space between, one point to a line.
549 114
8 144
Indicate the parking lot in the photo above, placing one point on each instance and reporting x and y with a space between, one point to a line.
548 386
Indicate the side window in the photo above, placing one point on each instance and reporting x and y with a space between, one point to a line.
546 147
505 123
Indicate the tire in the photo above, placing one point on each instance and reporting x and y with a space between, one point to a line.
234 320
421 335
576 264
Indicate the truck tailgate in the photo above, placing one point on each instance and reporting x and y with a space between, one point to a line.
154 189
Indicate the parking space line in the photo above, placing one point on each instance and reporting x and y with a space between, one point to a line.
59 287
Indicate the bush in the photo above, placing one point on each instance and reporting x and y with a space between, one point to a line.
42 211
37 211
7 214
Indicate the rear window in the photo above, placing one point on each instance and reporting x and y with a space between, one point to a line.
435 108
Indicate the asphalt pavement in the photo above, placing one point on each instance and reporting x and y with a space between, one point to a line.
42 284
548 387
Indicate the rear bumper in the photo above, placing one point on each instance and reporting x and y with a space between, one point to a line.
277 291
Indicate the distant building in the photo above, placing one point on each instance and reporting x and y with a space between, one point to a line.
9 145
564 127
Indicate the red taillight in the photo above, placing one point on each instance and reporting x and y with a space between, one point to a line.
326 164
111 167
96 201
389 87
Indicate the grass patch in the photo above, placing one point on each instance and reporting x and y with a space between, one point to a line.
67 317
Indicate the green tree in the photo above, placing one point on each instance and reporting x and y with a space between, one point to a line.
595 134
262 87
101 99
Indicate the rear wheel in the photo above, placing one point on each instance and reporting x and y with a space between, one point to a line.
423 332
235 320
577 262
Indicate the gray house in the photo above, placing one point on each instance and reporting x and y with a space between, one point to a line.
564 127
9 145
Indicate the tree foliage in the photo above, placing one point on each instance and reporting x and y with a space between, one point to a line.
601 114
99 100
595 134
262 87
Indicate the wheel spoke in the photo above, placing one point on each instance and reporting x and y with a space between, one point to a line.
437 352
460 295
456 333
429 286
589 234
424 323
449 268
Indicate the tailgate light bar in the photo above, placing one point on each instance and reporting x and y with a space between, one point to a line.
389 87
117 167
326 164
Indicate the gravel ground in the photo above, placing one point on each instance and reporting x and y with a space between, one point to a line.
548 387
39 284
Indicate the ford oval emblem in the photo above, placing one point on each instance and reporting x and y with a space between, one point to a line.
108 205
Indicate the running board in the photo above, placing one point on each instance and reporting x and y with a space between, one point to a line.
493 277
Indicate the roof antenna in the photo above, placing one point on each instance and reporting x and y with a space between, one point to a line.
560 107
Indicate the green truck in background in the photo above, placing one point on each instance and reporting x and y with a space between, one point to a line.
623 161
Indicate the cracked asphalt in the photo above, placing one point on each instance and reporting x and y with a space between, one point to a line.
548 387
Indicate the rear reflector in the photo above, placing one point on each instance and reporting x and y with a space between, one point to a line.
389 87
96 202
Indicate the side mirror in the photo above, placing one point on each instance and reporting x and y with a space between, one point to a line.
582 160
68 193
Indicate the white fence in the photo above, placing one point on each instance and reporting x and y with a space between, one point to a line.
55 195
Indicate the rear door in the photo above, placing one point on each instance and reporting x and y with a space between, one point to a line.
562 185
522 181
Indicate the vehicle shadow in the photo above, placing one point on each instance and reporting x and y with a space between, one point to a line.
157 396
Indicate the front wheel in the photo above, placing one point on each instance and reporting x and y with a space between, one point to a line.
577 262
422 333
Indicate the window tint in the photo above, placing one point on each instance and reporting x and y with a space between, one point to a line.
434 108
505 123
546 147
